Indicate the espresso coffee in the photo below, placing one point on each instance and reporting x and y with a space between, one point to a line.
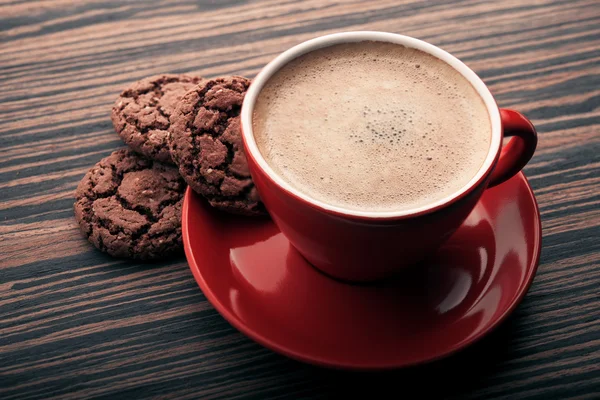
372 126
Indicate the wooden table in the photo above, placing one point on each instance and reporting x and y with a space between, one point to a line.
75 323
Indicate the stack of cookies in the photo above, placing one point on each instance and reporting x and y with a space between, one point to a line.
180 130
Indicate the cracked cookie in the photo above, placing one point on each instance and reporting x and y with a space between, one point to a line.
206 144
141 113
130 206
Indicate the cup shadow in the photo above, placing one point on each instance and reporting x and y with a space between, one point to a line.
456 375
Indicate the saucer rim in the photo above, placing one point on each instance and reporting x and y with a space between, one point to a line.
237 323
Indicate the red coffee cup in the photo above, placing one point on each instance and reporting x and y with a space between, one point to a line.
366 246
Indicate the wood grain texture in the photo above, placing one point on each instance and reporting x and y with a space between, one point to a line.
75 323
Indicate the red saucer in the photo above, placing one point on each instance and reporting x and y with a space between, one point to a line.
263 287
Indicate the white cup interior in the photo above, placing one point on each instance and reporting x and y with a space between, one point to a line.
358 36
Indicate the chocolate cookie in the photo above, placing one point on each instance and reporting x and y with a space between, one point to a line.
129 206
141 113
206 143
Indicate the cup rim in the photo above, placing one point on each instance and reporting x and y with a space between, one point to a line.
282 59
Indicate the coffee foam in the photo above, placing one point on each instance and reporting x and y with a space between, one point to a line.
372 126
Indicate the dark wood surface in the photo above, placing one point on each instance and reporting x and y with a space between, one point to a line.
75 323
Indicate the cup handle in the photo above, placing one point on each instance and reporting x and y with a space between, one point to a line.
518 151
